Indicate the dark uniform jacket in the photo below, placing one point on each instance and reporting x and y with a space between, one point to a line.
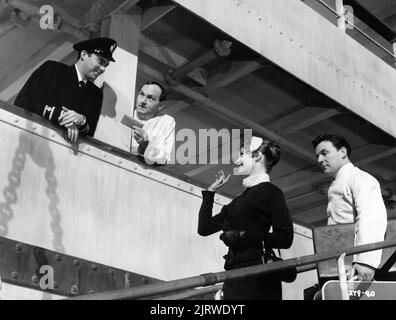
54 85
255 211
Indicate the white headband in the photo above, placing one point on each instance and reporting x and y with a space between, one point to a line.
255 143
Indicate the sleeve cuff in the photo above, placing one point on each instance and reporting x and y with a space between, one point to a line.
51 113
84 128
208 194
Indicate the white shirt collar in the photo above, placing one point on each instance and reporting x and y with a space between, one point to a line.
79 77
344 169
251 181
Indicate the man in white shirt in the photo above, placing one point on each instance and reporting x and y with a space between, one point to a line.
354 197
155 140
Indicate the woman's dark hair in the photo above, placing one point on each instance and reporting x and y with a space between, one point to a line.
271 151
337 141
162 96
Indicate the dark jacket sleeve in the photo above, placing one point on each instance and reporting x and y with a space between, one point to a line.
33 95
282 225
207 224
94 113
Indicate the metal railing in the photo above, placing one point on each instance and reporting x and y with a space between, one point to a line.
204 280
371 21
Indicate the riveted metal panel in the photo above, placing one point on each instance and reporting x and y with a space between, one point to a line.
22 264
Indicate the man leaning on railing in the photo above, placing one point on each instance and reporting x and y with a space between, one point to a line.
66 95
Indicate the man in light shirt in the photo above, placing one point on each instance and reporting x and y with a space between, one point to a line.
154 140
354 197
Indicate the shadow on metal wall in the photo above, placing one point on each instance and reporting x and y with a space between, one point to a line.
41 155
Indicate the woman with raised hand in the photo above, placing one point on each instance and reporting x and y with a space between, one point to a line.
246 221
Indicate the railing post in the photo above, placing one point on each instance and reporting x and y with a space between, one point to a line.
342 277
341 11
394 51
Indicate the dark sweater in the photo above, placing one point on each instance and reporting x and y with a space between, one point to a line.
254 211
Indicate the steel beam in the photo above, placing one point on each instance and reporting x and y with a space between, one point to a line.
20 264
305 44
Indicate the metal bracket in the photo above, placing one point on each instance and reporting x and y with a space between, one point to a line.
23 264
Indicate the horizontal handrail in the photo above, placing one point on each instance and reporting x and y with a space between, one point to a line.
213 278
125 155
373 22
191 293
208 290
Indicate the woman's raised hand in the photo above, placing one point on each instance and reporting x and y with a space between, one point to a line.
221 179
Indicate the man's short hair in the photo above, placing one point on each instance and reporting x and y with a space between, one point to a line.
162 96
337 140
271 151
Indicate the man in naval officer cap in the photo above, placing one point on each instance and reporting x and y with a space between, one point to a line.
66 95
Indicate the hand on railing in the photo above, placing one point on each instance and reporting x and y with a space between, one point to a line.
72 133
69 118
361 273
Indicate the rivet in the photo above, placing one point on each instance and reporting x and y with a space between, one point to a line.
34 128
52 135
281 33
56 285
14 275
91 291
128 276
38 252
35 279
178 184
104 155
192 189
58 258
150 173
144 280
18 247
74 290
135 168
16 120
76 262
111 272
120 162
165 179
88 149
94 267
